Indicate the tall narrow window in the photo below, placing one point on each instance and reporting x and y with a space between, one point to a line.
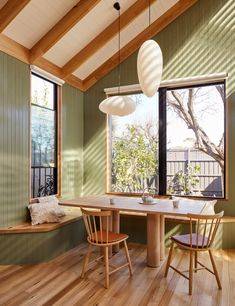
43 137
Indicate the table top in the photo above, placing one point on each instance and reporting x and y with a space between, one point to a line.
131 204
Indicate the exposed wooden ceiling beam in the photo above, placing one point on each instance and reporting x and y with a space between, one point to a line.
56 71
129 15
9 11
14 49
157 26
18 51
61 28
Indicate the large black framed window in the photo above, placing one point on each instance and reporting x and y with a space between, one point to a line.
174 143
43 137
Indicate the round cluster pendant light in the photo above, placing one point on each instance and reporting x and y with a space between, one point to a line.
118 105
149 66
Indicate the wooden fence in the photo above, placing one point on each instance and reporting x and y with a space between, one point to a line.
210 177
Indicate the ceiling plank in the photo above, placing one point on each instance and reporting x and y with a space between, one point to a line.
9 11
127 17
61 28
157 26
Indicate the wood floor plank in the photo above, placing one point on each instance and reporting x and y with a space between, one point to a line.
58 282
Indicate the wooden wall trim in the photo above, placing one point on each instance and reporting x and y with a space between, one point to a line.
9 11
99 41
61 28
157 26
59 141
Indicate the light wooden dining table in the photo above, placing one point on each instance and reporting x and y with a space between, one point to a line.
155 217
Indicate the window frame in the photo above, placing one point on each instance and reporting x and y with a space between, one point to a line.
162 158
57 107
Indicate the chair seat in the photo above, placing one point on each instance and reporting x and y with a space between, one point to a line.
112 237
185 240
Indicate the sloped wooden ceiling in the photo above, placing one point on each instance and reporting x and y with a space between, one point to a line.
78 40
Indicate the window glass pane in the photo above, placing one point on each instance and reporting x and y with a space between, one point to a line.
42 92
134 147
195 141
43 137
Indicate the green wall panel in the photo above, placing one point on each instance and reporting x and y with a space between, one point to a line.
40 247
14 144
199 42
15 165
72 142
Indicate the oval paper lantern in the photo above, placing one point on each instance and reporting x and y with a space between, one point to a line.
149 67
118 106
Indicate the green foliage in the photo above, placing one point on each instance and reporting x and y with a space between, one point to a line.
133 160
185 182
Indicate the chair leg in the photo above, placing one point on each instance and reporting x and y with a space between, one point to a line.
190 272
169 259
195 261
86 260
128 258
106 258
215 270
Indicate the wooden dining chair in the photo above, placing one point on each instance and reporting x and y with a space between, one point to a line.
200 240
99 234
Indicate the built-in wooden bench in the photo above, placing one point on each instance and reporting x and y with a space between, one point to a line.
73 214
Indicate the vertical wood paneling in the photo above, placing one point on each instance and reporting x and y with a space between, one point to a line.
15 166
72 142
14 140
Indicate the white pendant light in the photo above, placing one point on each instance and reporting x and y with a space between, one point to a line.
118 105
149 66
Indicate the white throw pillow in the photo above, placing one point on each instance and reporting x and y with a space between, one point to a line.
43 213
53 200
48 199
208 208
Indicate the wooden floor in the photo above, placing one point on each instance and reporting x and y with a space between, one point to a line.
58 282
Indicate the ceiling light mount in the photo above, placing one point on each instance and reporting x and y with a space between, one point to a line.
117 6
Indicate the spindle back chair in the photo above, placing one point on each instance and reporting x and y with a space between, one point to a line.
99 233
199 240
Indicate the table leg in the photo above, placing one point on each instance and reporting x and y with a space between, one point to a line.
162 237
116 228
153 240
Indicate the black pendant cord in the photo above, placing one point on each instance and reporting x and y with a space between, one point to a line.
119 52
117 7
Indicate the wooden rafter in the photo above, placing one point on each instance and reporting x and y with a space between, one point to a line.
127 17
18 51
61 28
157 26
9 11
11 47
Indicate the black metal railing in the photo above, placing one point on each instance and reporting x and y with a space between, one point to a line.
43 181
